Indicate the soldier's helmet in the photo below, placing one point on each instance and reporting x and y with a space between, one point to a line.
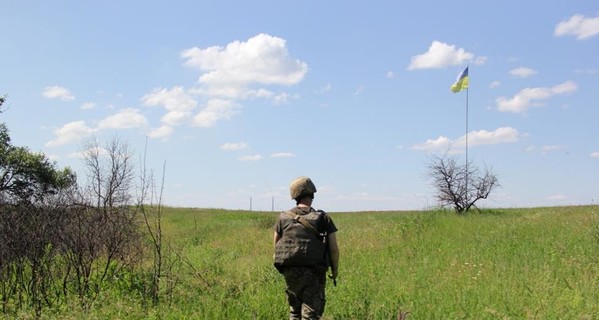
302 186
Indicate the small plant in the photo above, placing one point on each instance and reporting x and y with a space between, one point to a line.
402 315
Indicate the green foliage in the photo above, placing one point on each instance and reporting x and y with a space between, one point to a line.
2 100
29 176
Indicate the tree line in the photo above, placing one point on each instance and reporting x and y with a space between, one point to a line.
62 240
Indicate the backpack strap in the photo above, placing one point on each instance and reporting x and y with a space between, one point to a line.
304 222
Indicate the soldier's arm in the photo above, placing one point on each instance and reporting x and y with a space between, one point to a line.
334 252
276 238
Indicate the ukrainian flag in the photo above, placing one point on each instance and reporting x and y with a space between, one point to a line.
461 82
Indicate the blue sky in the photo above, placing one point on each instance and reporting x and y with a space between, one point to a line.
237 98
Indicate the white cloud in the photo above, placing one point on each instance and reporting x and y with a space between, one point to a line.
228 91
442 143
283 98
390 75
282 155
260 93
173 118
523 72
545 149
82 154
579 26
256 157
564 88
595 155
484 137
161 132
530 97
213 111
551 148
239 71
228 71
124 119
480 60
475 138
359 90
77 130
58 92
178 104
275 98
70 132
440 55
234 146
494 84
88 106
324 89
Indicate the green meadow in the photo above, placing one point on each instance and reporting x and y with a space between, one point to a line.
538 263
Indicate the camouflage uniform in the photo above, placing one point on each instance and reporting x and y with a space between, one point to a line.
305 292
305 283
300 253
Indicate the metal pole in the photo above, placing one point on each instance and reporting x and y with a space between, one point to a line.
466 143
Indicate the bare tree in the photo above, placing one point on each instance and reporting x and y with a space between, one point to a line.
109 172
150 206
103 235
460 185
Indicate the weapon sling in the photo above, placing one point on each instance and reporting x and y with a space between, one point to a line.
304 222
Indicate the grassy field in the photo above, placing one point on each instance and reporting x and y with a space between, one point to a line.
540 263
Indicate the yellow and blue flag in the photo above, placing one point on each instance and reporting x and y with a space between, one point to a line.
461 82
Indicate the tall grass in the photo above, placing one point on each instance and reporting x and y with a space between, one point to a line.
540 263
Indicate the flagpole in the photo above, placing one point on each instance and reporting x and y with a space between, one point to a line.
460 84
466 143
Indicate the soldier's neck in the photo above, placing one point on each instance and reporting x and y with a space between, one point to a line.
304 207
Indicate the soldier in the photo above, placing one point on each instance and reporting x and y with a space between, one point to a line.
305 247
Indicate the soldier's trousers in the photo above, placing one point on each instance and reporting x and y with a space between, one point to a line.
305 292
